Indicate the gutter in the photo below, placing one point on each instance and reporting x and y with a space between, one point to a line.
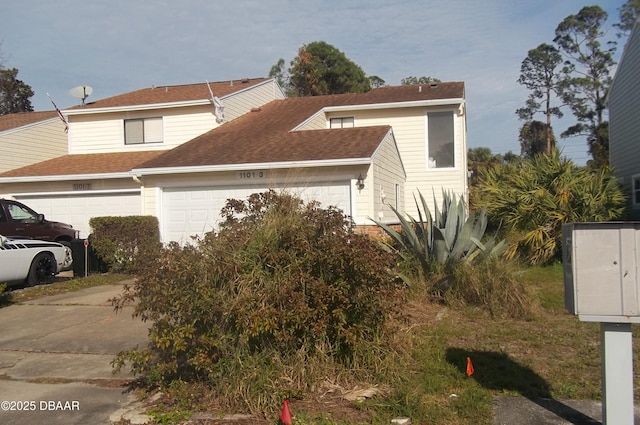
66 177
140 172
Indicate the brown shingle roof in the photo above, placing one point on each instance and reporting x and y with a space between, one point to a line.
169 94
265 136
257 137
10 121
119 162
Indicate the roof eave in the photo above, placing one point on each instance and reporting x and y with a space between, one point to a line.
392 105
140 172
67 177
137 107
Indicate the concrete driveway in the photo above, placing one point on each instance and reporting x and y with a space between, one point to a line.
55 356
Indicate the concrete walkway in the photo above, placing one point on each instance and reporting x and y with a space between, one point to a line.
55 358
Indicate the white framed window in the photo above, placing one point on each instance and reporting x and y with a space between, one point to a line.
440 140
635 190
341 122
143 130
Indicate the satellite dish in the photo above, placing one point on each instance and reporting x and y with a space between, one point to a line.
81 92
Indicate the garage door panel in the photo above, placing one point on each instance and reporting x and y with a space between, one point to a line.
77 210
195 211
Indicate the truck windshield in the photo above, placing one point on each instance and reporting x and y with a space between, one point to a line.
22 214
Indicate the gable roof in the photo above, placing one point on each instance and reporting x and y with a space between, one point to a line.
11 121
265 135
170 94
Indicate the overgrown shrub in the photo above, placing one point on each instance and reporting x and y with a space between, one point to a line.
493 286
125 243
262 308
530 202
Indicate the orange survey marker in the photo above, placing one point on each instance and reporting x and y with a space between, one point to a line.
469 367
285 416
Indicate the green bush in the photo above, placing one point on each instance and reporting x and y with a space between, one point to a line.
124 243
262 308
530 202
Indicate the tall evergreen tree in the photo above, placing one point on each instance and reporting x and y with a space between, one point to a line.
540 73
629 12
536 137
14 93
322 69
587 76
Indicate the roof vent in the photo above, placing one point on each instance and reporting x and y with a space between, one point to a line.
433 85
256 109
245 80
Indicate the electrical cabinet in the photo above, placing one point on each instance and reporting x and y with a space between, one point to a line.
601 271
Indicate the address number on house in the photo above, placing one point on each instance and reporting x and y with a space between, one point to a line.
82 186
252 175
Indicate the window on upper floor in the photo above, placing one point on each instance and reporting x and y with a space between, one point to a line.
343 122
635 190
440 140
143 130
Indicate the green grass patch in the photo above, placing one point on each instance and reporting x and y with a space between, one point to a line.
61 285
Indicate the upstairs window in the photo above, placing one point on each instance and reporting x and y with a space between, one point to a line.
145 130
343 122
635 190
440 140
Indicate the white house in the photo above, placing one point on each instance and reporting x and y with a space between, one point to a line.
624 122
161 151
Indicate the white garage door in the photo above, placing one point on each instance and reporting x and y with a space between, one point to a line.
77 210
194 211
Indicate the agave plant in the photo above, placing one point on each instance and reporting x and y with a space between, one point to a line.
449 237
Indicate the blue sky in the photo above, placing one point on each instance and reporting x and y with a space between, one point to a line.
117 46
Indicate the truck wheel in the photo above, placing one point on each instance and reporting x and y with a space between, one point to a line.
43 269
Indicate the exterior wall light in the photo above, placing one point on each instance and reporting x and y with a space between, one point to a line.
360 182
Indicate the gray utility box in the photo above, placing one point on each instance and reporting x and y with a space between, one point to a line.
601 271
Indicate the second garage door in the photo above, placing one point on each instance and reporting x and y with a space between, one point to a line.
194 211
78 209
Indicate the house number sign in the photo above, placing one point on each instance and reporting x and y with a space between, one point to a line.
82 186
252 175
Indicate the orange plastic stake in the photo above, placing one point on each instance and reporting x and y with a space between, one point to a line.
285 416
469 367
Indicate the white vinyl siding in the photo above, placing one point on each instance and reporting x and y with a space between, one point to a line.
104 132
409 128
383 181
242 102
31 144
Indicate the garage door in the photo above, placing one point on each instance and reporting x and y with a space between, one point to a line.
77 210
194 211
